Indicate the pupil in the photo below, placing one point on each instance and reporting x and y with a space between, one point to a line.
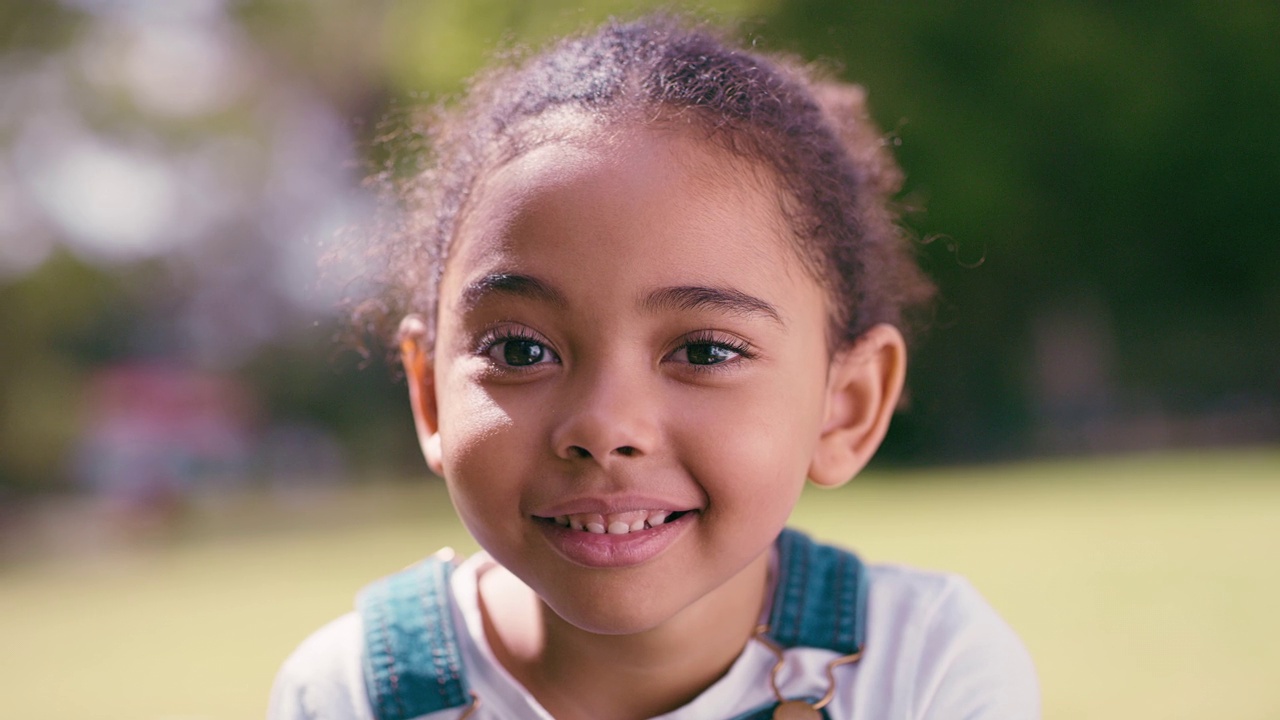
521 352
704 354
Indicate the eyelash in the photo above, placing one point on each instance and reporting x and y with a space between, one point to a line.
491 339
735 345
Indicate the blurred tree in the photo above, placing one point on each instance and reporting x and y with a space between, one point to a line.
58 323
1112 168
1096 179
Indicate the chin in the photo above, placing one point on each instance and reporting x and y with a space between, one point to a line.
611 614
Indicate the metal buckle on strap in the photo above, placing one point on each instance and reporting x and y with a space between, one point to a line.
799 709
470 709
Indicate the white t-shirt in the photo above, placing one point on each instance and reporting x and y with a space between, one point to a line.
935 650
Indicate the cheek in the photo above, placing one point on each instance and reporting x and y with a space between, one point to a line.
760 452
469 421
477 445
761 436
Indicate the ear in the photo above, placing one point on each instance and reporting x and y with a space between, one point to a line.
419 372
863 387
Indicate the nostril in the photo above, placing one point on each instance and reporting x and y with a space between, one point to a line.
578 452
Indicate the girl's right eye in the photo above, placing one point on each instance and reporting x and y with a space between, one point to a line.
517 350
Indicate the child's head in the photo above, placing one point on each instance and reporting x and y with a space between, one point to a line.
835 176
653 284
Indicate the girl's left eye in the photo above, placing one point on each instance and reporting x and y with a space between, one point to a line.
705 352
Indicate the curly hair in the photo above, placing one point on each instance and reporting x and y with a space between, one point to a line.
833 169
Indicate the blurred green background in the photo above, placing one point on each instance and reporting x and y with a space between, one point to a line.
193 473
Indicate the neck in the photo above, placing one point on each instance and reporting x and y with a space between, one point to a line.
578 674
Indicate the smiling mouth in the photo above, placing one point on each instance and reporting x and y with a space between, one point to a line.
620 523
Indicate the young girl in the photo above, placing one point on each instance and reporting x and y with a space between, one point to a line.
650 284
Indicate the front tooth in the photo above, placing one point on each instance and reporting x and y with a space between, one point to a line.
614 523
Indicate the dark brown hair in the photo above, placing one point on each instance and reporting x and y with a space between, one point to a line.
836 175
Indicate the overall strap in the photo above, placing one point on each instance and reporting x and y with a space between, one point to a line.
821 596
820 601
412 661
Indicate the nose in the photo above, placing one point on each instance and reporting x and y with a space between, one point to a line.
607 416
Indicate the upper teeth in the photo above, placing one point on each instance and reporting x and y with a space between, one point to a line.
614 523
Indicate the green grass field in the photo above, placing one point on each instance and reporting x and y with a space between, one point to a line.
1145 587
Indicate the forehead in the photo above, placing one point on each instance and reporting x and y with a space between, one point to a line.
630 193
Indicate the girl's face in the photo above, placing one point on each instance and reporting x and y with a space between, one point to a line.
627 342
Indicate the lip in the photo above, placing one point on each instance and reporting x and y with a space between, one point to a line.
604 550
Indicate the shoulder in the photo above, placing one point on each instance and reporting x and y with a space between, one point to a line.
323 678
945 646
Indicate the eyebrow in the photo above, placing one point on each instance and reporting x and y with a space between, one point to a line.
696 297
682 297
508 284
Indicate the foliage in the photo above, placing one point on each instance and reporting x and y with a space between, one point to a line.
1113 164
1096 182
58 323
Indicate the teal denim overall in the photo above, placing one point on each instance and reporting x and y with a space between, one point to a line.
413 663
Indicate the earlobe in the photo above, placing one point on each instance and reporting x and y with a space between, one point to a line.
863 387
419 372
